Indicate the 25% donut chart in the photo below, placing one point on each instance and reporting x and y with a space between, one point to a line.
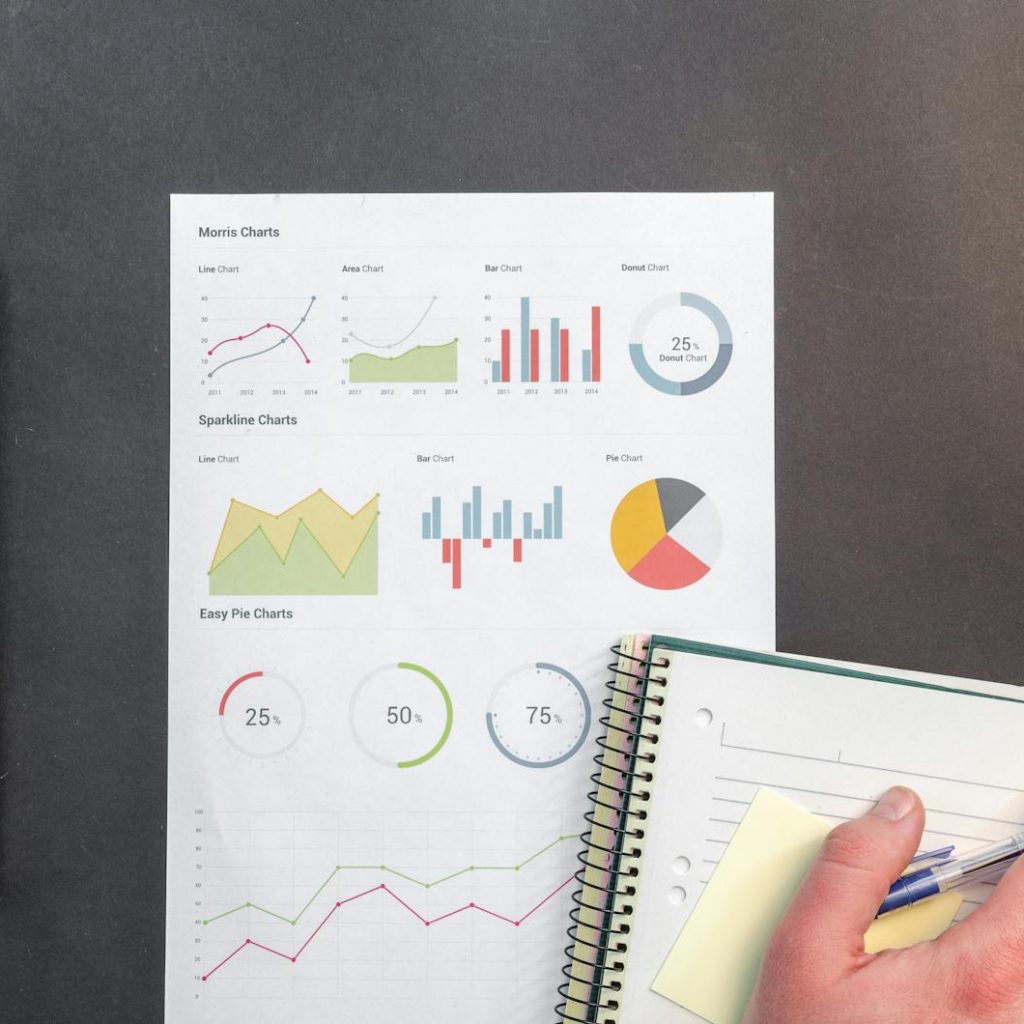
261 714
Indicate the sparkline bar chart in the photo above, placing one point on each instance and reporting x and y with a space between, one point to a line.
547 526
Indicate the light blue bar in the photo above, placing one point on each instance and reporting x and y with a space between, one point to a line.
586 365
496 371
476 513
426 526
506 519
547 520
558 513
538 534
524 339
496 531
527 524
555 362
435 518
467 519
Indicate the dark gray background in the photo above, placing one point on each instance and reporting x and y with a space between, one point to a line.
890 134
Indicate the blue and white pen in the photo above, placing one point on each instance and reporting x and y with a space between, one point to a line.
985 864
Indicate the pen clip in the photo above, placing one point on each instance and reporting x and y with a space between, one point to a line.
930 858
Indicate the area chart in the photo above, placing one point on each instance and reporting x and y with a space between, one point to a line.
424 364
315 547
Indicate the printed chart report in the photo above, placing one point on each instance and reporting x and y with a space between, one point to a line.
430 457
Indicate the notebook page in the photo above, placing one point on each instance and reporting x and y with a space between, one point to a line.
833 745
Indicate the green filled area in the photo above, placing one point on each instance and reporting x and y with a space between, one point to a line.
254 568
424 364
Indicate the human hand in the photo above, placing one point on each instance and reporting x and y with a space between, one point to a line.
815 970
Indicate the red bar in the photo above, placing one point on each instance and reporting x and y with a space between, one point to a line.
517 550
506 354
456 564
563 354
446 551
534 354
487 542
595 343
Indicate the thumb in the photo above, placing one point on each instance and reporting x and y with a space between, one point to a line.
845 886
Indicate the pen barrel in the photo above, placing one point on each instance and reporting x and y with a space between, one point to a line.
910 889
983 865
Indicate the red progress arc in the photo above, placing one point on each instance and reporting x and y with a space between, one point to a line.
234 686
262 327
381 888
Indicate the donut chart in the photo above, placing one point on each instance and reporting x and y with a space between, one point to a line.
666 534
401 715
539 715
681 344
261 714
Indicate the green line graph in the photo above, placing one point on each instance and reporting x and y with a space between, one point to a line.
338 868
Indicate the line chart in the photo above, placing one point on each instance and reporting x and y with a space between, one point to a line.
287 335
405 337
248 905
383 888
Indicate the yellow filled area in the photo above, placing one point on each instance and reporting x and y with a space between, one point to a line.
638 524
337 531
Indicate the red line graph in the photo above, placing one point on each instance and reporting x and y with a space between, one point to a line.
262 327
251 943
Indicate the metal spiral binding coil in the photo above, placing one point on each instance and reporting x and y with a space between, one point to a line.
603 958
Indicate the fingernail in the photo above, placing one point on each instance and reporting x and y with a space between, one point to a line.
896 803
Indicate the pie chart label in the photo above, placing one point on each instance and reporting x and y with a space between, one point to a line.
681 344
666 534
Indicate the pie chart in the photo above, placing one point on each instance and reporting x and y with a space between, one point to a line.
666 534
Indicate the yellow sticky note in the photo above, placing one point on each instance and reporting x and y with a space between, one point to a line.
713 966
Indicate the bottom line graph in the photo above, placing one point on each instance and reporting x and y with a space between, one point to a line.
383 888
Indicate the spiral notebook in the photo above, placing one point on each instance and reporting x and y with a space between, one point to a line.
693 734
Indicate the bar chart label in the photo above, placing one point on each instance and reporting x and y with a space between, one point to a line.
539 715
501 528
681 344
401 715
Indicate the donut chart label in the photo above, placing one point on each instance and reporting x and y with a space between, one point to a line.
666 534
677 353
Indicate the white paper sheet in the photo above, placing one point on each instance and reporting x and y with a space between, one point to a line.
383 698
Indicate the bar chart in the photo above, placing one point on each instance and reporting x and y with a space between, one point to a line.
544 348
502 524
